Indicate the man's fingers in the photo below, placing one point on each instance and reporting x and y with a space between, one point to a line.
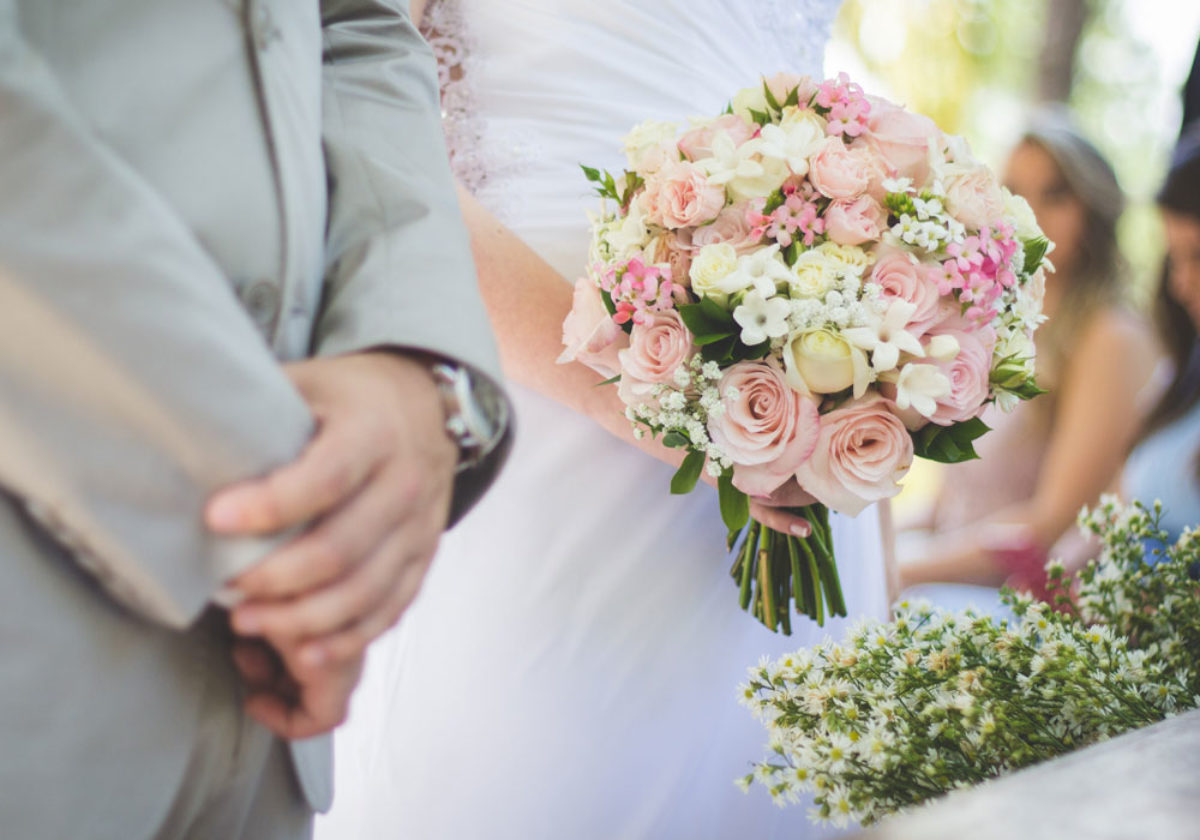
352 641
320 706
331 469
257 665
331 550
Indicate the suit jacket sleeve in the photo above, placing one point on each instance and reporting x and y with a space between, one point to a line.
132 383
400 271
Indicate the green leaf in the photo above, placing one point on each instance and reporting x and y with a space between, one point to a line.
591 174
735 505
1035 252
707 318
793 97
771 100
760 117
675 439
688 473
612 380
608 302
720 351
949 444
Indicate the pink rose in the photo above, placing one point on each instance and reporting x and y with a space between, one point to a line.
669 250
901 277
697 143
863 450
781 84
969 373
767 427
657 347
590 335
974 198
901 138
678 195
739 225
852 222
838 172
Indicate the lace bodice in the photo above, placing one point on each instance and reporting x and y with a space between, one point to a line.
570 45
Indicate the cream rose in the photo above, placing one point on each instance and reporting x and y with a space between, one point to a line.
821 362
862 453
649 145
714 273
813 275
767 428
590 336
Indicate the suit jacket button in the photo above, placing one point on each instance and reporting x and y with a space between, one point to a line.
261 299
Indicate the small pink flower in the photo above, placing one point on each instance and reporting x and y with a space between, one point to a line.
797 218
767 427
697 143
590 336
679 195
846 107
637 289
854 221
838 172
862 452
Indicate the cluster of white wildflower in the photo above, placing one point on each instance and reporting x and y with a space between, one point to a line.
926 223
903 711
684 407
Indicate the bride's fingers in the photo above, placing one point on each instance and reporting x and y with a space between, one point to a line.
778 519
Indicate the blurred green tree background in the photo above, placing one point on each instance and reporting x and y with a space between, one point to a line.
979 66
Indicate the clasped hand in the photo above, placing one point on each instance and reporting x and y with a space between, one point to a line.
372 493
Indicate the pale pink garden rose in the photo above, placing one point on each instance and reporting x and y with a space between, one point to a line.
679 195
767 427
657 347
669 250
903 139
738 225
969 373
854 221
974 198
901 277
697 143
862 453
590 336
839 172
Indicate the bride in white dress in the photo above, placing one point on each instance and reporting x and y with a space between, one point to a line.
571 666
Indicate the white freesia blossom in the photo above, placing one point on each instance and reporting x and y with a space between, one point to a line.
743 170
920 386
1019 210
761 318
943 348
763 270
792 143
886 338
627 237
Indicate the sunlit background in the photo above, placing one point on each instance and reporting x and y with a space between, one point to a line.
978 67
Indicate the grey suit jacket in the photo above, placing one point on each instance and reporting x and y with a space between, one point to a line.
190 192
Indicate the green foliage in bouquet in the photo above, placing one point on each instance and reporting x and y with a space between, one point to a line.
904 711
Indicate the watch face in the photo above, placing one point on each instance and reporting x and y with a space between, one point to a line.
491 408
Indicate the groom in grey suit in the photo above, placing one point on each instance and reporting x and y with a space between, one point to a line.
237 310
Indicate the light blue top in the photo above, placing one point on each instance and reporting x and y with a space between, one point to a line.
1164 467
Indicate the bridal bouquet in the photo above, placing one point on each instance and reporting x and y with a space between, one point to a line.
815 285
901 712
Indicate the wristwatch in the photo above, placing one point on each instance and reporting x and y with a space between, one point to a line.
476 412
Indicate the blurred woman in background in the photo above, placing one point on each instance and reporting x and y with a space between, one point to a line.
997 518
1165 463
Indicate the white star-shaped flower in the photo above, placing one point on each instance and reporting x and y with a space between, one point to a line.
886 338
761 317
793 147
730 161
764 270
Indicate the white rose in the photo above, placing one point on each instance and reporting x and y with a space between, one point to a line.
821 362
973 197
1018 209
748 99
849 258
813 275
714 273
648 145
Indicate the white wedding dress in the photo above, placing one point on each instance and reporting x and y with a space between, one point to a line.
571 666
